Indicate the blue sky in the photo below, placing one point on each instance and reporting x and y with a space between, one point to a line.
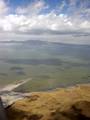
66 20
53 4
16 3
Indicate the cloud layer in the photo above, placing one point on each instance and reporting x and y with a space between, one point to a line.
65 19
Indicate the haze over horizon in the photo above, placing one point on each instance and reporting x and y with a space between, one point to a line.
66 21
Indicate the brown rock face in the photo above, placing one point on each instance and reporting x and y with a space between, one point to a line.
61 104
78 111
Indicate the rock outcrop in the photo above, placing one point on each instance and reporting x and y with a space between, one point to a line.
2 111
61 104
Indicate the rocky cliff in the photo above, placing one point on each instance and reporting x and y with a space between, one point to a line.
61 104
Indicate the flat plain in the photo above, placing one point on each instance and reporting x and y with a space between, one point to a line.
50 65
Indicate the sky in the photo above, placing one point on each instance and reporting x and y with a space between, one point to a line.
65 21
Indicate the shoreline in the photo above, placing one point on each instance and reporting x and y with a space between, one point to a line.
11 87
10 97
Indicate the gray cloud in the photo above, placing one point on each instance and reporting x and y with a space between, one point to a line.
27 21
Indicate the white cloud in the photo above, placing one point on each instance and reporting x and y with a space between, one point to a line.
82 10
28 21
3 7
62 5
44 24
33 8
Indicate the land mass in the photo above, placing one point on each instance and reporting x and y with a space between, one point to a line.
49 64
71 103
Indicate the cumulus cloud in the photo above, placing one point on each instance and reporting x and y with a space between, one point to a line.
29 19
44 24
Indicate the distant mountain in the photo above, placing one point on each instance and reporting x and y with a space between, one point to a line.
33 42
51 48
